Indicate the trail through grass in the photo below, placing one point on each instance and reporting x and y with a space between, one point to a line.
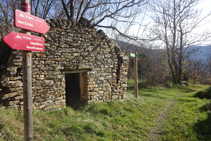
157 130
178 113
190 118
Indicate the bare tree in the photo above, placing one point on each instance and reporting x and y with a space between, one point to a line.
175 22
44 9
7 8
97 12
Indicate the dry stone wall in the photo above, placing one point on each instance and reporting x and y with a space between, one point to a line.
69 47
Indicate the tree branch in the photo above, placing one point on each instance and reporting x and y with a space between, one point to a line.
79 10
65 9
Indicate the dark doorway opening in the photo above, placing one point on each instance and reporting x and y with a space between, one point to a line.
72 89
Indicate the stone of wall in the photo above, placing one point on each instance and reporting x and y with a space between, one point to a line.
69 46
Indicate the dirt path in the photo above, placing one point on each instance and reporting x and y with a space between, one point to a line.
156 131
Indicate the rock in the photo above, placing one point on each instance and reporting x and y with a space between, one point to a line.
6 96
115 97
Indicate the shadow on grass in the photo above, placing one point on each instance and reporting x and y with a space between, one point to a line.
1 126
184 88
187 90
140 85
78 106
69 131
74 130
144 85
205 108
204 93
154 96
203 129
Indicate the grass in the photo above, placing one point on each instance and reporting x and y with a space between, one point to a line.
190 117
131 119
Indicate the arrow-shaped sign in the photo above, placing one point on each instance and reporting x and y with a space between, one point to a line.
29 22
138 55
21 41
132 55
142 56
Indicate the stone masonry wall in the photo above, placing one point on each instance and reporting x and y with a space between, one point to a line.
68 47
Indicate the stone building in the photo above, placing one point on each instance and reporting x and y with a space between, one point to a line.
79 64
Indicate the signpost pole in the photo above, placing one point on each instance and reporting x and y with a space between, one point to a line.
136 56
27 83
136 74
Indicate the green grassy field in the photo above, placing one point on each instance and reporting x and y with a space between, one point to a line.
178 113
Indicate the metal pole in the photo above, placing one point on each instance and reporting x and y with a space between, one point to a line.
136 75
27 83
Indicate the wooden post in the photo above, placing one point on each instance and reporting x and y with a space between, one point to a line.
136 74
27 85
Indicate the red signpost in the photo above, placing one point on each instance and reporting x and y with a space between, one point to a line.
22 41
29 22
27 43
25 7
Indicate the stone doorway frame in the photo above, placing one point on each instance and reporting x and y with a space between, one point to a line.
82 80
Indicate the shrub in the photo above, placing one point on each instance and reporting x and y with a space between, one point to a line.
169 84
